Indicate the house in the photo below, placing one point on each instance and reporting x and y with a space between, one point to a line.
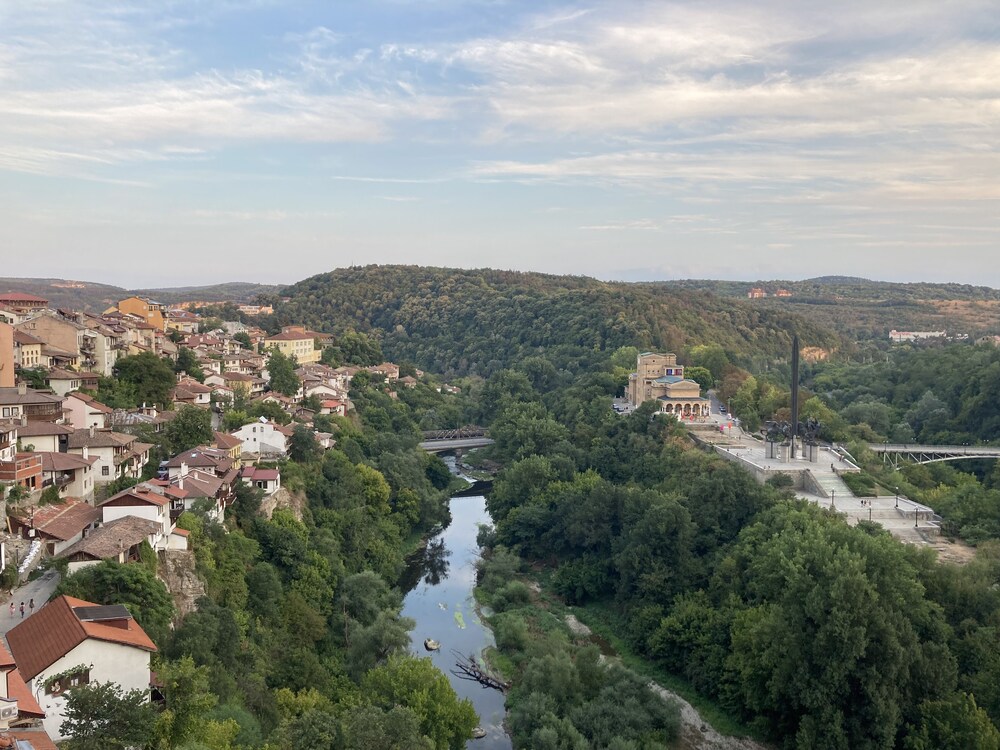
36 406
19 468
27 350
27 714
146 500
63 381
73 475
57 526
182 320
387 370
264 438
231 444
234 380
333 406
21 302
211 460
70 642
659 377
83 411
119 455
409 381
190 391
152 313
268 480
43 436
295 341
119 540
756 293
8 355
898 337
63 339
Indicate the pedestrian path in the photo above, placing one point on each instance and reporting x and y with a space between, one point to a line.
39 589
832 484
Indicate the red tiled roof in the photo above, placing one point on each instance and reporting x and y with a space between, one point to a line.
291 336
55 630
138 496
20 297
16 689
263 475
65 461
63 520
181 532
38 738
226 442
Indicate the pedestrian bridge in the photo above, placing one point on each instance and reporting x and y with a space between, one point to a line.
462 438
893 453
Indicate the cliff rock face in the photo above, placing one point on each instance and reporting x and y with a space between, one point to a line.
293 501
176 570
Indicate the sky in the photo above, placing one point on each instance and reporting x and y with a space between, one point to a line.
182 142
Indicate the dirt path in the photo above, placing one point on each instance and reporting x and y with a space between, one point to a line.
696 734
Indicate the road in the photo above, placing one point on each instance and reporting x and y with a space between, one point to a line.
40 590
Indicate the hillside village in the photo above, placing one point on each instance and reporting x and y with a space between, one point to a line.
84 481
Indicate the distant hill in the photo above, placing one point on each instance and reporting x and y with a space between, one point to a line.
477 321
865 309
233 291
93 297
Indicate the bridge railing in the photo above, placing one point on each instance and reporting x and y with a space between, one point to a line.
978 450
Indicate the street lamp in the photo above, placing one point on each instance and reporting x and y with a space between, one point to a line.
833 499
897 498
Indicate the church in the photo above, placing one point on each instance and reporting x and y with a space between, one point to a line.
658 377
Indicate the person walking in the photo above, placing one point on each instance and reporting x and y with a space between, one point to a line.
22 610
31 607
12 609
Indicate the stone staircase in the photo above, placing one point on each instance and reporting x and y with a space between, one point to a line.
831 483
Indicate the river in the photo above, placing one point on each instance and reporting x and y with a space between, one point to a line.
438 585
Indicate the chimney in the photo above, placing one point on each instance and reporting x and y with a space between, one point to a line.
24 420
184 470
92 430
22 388
86 453
180 482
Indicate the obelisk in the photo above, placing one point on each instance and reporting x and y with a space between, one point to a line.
795 392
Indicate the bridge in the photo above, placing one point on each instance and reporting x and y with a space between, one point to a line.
893 453
462 438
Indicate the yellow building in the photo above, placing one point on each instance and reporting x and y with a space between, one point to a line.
150 311
297 341
27 350
658 377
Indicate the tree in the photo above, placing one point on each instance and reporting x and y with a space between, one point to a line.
701 375
417 685
150 378
188 702
244 338
303 446
191 427
101 716
187 362
282 372
954 723
135 586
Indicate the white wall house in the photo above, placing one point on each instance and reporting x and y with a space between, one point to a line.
263 438
70 642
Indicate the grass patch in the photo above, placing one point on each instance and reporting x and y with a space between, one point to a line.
602 619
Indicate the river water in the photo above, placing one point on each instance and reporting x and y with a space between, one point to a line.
438 585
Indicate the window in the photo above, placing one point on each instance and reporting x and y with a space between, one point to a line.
67 680
7 411
105 471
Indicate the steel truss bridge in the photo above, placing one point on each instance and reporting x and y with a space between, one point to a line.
894 453
442 441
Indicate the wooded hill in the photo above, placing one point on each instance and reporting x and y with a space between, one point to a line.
462 322
861 308
93 297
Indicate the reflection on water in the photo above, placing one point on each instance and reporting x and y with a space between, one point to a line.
438 585
428 564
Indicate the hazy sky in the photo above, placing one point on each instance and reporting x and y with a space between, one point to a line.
181 141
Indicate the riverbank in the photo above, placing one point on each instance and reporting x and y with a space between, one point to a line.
701 724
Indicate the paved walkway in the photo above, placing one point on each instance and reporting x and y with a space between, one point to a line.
40 590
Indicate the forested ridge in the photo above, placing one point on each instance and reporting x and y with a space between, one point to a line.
816 634
461 322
